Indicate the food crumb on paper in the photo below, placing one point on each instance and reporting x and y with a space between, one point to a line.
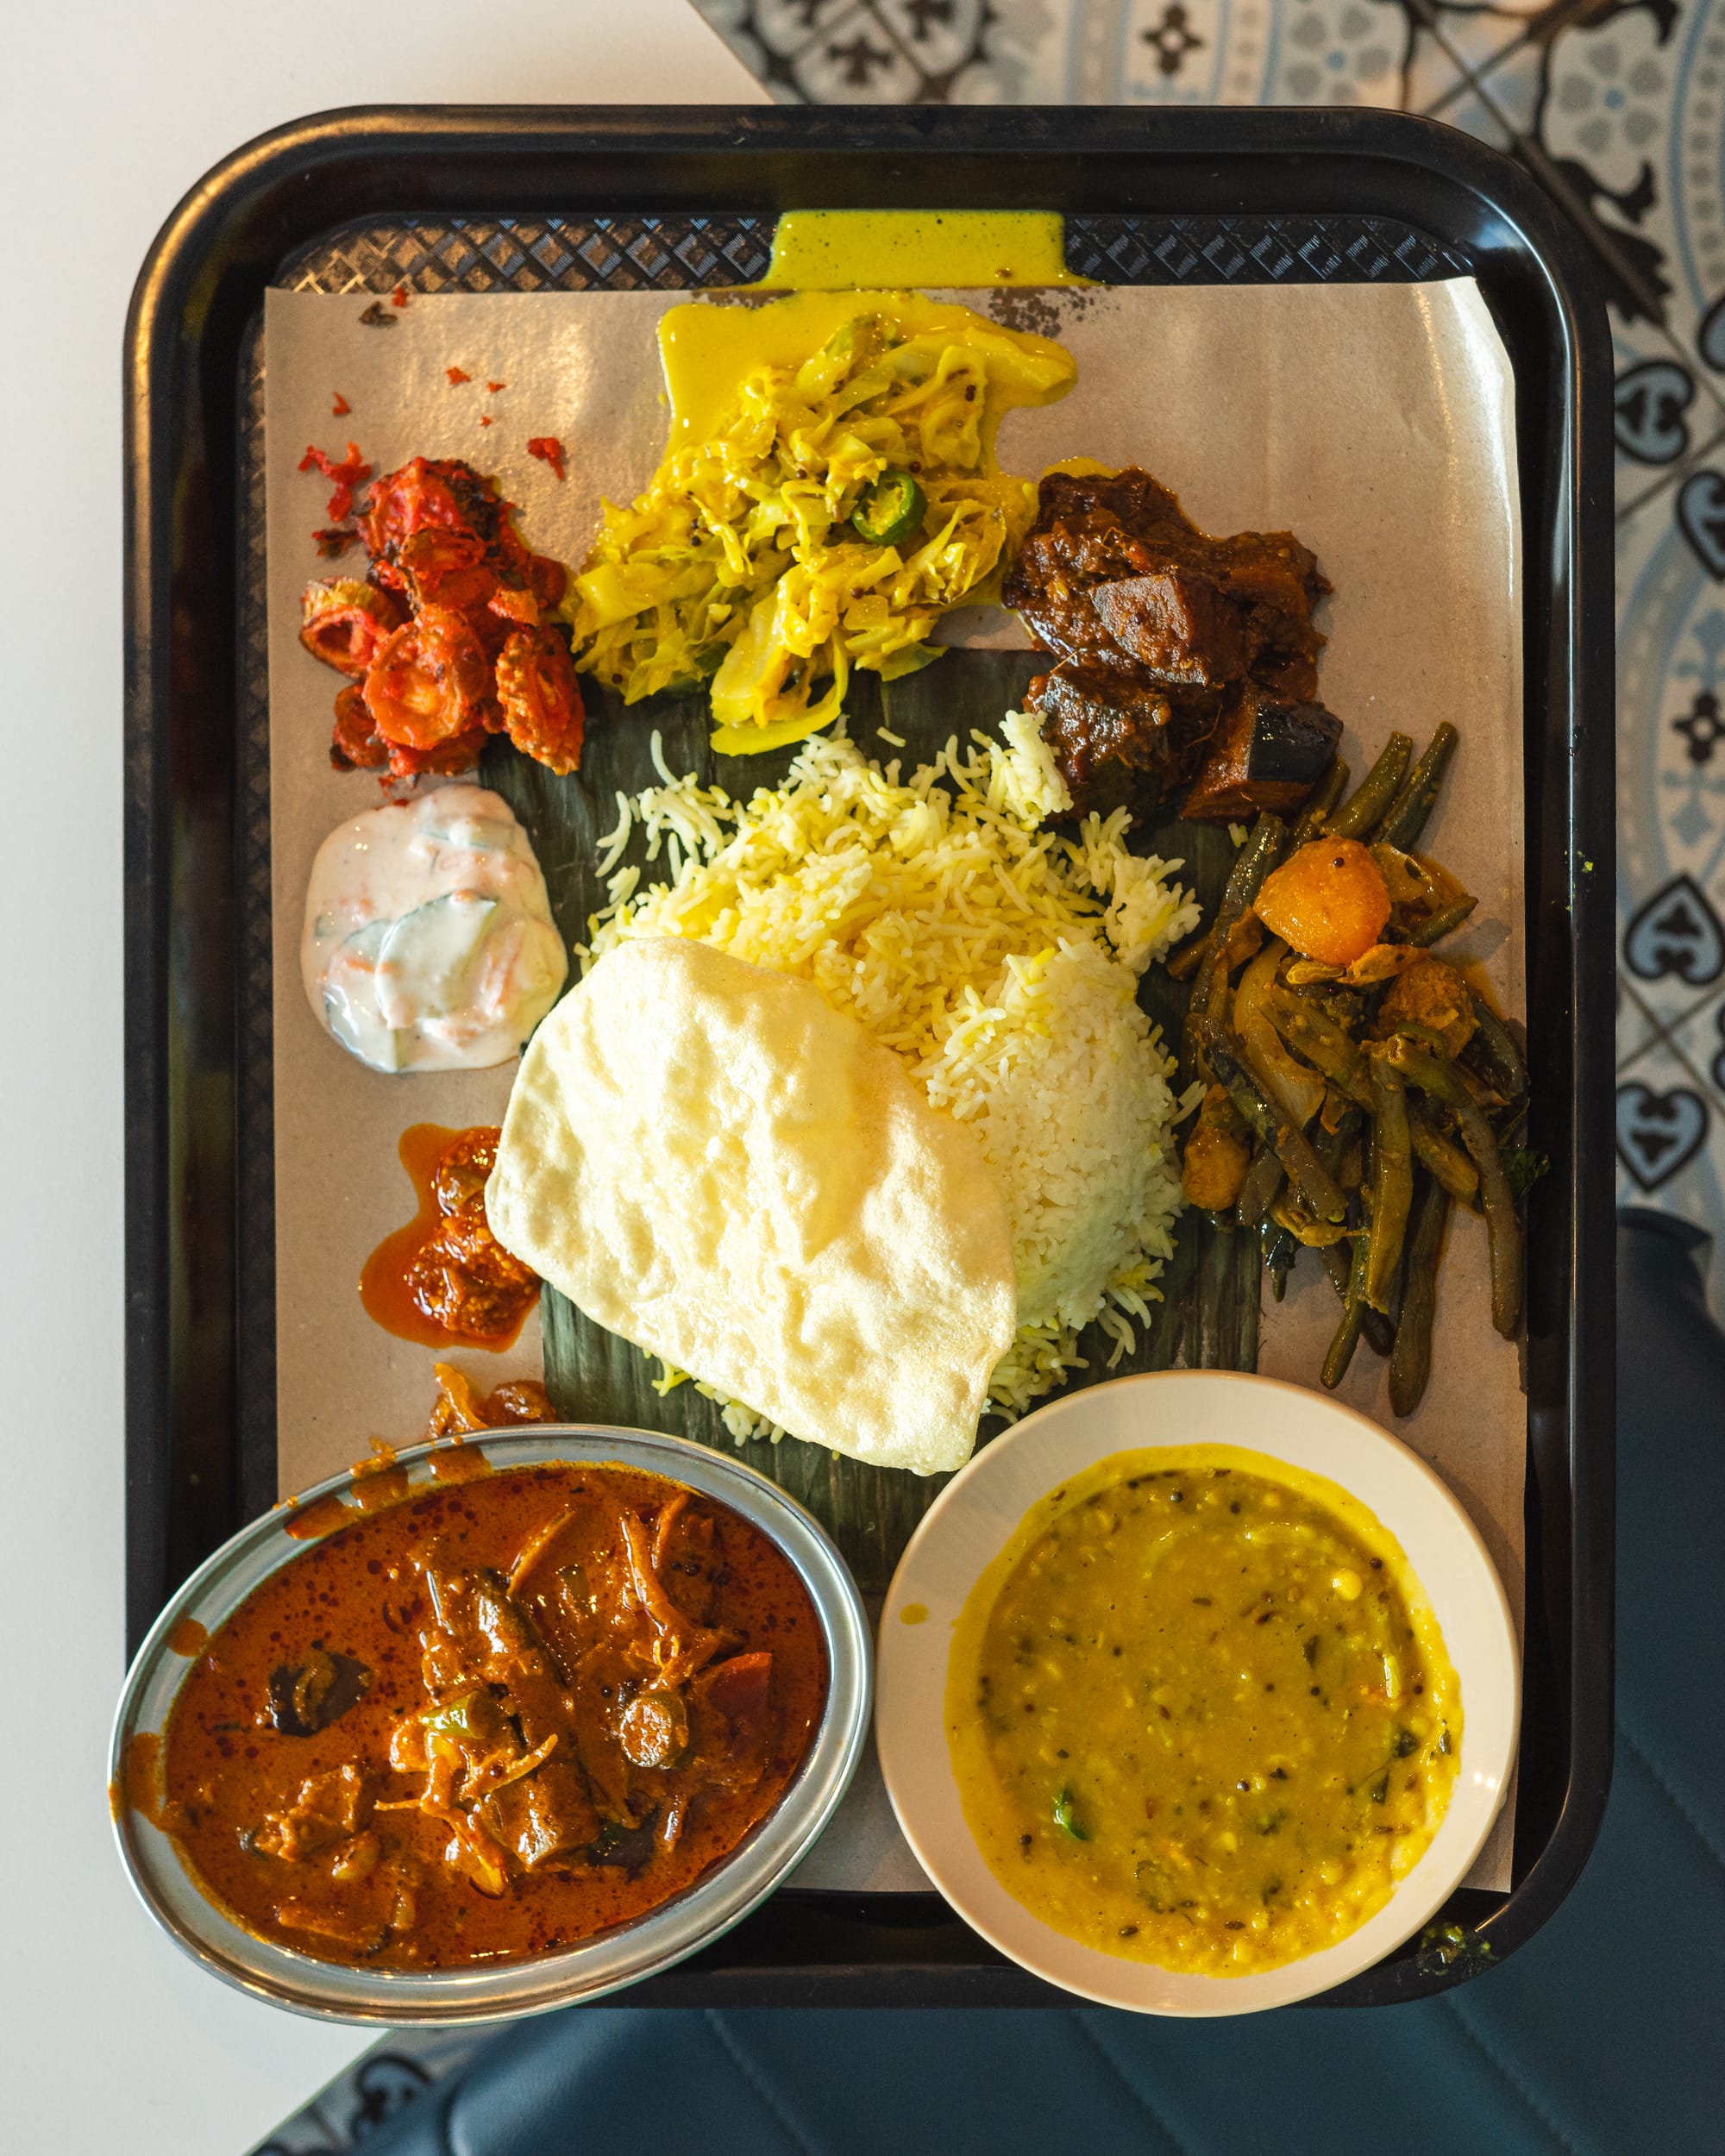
549 450
346 478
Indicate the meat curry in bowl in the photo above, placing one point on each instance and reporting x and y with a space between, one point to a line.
514 1717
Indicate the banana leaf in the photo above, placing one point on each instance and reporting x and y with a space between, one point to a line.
1208 1313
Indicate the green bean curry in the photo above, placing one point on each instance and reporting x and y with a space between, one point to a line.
1200 1712
490 1720
1357 1086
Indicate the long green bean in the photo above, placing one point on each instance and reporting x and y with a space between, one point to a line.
1503 1230
1313 1182
1257 858
1278 1248
1379 1333
1257 855
1324 795
1353 1313
1410 1359
1413 806
1392 1180
1360 817
1253 864
1501 1051
1190 956
1433 1151
1443 923
1332 1141
1258 1193
1326 1046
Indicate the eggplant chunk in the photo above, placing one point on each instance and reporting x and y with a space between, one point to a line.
545 1815
1264 754
306 1696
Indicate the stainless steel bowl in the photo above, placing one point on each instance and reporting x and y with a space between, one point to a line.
691 1919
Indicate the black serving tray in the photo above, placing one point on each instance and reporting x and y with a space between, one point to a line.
520 198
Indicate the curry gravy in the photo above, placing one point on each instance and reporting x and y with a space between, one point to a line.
1200 1711
490 1720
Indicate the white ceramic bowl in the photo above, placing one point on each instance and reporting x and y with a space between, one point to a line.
971 1522
488 1991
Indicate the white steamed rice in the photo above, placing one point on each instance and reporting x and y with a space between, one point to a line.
1000 960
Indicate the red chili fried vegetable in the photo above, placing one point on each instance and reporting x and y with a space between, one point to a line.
446 639
340 407
345 622
427 683
457 375
549 450
541 697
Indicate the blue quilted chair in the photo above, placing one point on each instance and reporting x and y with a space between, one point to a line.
1602 2037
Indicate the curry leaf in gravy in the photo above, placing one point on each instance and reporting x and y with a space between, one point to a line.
1066 1816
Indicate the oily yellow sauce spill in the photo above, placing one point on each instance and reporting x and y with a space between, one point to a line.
1200 1711
830 250
708 351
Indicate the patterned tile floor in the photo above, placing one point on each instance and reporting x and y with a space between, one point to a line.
1616 107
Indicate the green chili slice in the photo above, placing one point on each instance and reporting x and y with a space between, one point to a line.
454 1718
891 510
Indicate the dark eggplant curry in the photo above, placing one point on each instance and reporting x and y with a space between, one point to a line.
493 1720
1178 657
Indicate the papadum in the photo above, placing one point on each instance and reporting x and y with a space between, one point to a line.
711 1161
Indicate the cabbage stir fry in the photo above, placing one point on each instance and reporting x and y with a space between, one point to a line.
1358 1084
838 510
